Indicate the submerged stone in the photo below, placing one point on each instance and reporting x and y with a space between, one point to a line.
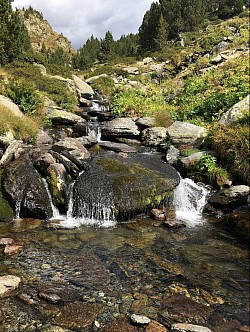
8 284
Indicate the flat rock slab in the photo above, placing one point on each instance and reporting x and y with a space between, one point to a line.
118 147
181 327
8 284
141 320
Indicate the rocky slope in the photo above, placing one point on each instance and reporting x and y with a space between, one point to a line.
42 35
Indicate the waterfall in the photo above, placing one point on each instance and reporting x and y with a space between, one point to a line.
94 130
56 213
189 200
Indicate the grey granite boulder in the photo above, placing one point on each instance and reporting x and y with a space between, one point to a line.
236 112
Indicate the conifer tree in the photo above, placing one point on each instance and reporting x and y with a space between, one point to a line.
161 35
14 39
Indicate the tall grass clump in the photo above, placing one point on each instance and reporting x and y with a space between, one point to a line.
22 128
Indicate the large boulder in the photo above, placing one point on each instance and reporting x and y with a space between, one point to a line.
123 187
120 127
25 189
154 136
182 133
83 89
238 223
12 107
8 284
236 112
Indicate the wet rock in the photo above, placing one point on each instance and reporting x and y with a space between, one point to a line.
6 241
174 224
172 154
118 147
128 141
9 153
158 214
181 133
120 127
24 187
156 327
140 320
120 324
1 315
57 179
8 284
72 149
140 302
105 116
227 200
78 315
238 223
70 167
83 89
12 249
182 327
154 136
26 298
83 102
236 112
51 298
87 141
43 162
129 186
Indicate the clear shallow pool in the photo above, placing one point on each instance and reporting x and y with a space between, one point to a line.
198 275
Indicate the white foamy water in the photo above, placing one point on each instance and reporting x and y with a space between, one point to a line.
189 200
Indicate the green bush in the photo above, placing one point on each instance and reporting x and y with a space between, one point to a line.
25 96
104 85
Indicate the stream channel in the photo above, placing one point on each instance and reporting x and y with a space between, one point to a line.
99 276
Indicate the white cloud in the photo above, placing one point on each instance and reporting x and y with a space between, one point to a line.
79 19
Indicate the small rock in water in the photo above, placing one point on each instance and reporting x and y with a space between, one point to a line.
8 283
1 315
51 298
138 319
181 327
12 249
174 224
26 298
155 327
6 241
158 214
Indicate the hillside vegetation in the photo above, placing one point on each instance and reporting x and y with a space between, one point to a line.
180 82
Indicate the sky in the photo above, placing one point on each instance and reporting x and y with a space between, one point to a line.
79 19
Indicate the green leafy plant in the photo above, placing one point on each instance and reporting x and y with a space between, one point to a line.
25 96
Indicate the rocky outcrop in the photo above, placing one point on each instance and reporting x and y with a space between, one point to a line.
25 189
129 186
9 153
182 133
236 112
42 35
120 127
145 122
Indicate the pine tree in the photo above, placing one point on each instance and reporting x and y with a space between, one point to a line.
14 39
161 35
107 47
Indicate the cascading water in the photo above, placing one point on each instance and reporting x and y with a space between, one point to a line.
189 200
56 213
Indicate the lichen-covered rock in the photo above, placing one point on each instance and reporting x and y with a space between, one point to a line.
181 133
129 186
236 112
25 189
154 136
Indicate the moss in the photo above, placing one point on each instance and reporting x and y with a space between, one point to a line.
6 212
56 194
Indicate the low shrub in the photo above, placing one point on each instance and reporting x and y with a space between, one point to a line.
232 145
104 85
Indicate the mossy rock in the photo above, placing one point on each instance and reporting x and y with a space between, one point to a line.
127 186
6 212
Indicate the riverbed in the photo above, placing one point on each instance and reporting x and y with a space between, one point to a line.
101 276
